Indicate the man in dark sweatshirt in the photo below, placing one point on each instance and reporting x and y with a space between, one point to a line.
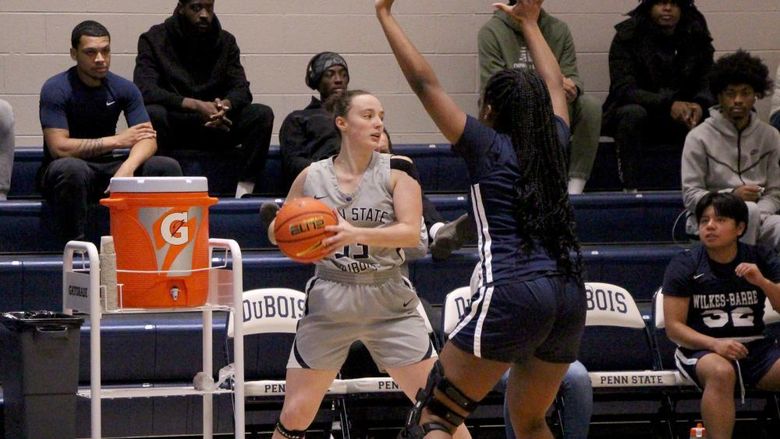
196 93
658 64
309 135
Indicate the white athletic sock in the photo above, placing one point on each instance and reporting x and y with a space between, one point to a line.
243 188
576 185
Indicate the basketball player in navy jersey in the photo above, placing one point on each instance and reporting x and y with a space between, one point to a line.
528 309
714 296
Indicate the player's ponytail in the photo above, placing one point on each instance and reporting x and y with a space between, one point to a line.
521 108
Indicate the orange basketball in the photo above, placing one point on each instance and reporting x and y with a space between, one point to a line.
300 228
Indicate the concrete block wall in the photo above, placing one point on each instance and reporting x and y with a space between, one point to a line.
277 38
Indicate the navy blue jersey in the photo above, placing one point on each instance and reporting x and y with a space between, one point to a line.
89 112
722 304
493 172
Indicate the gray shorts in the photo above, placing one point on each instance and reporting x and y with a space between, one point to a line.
383 316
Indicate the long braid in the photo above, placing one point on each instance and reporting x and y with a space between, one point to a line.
521 104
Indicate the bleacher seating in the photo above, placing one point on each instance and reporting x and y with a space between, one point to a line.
659 168
27 226
629 240
440 170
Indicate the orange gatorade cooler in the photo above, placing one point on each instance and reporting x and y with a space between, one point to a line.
161 232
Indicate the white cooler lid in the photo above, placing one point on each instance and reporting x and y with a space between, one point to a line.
158 184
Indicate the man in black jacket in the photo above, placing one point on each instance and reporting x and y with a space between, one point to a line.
658 64
309 135
196 92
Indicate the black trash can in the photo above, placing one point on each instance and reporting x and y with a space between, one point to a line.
40 374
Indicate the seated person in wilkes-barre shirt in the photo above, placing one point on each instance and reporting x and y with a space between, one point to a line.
79 110
309 135
714 296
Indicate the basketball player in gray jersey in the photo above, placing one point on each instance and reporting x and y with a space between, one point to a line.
371 205
358 292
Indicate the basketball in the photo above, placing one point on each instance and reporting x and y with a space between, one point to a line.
300 228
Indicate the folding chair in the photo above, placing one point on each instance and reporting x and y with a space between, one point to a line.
771 319
663 345
270 319
456 304
618 352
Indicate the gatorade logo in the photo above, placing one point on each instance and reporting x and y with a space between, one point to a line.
174 229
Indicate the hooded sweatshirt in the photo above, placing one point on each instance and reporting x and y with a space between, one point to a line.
718 158
174 61
501 45
652 69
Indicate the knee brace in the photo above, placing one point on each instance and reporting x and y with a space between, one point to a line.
426 398
289 434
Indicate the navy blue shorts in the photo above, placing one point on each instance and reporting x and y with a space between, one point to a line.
762 355
543 317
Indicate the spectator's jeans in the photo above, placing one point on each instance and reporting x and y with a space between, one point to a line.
762 228
6 147
775 120
636 130
70 184
252 126
585 113
577 395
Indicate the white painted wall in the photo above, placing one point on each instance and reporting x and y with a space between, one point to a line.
277 38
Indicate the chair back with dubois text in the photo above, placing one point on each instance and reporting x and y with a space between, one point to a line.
616 345
456 304
271 318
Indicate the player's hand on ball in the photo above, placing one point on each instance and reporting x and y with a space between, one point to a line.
344 234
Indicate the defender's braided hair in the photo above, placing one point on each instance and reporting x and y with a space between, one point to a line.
522 109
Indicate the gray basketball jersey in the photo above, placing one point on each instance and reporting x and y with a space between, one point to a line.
371 205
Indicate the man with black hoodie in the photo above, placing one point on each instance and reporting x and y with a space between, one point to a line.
196 92
658 65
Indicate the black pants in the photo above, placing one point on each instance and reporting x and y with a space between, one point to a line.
636 130
70 184
252 126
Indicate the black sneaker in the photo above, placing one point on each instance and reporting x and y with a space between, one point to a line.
451 237
268 213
